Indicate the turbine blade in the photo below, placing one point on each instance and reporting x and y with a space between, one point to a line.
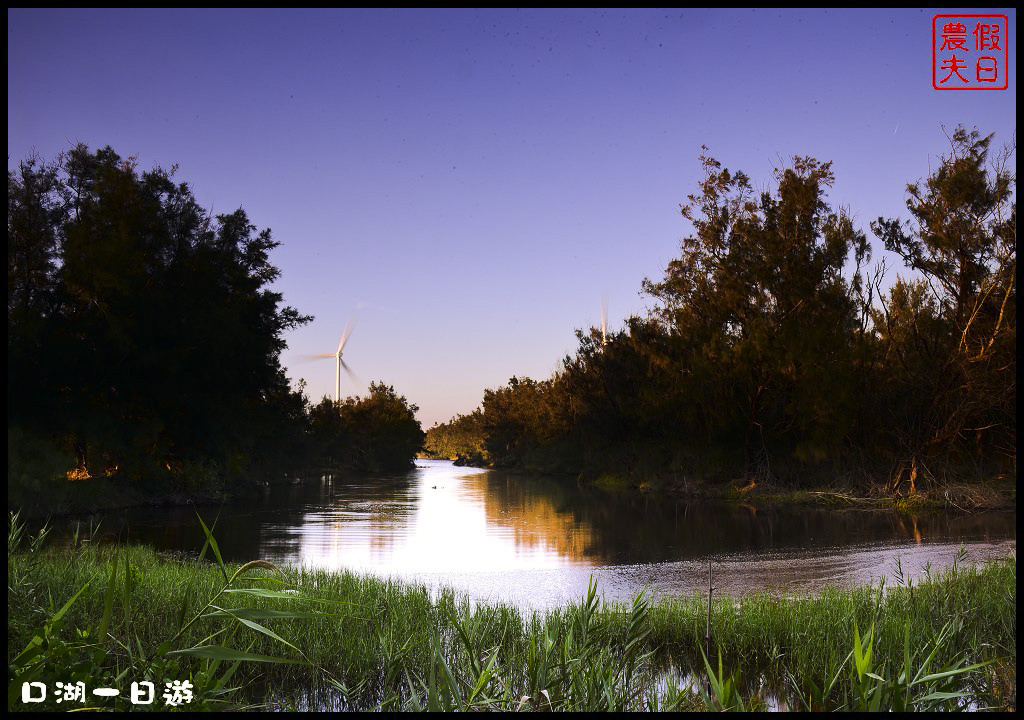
311 358
348 331
350 373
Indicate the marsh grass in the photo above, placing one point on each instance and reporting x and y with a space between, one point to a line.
345 641
96 654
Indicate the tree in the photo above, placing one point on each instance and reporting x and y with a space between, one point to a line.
35 210
373 434
622 404
141 330
385 430
962 240
758 308
519 418
460 439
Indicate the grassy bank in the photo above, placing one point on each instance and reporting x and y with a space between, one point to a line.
341 640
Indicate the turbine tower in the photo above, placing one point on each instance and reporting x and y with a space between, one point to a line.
604 321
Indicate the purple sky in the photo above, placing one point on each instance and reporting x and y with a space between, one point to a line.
471 183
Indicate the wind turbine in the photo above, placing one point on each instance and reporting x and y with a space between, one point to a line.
339 363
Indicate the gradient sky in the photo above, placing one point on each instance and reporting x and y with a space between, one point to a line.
472 182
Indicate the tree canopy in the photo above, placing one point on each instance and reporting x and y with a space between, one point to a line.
373 434
144 333
771 351
949 336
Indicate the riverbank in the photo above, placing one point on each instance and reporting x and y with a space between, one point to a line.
350 641
99 496
1000 495
104 495
828 489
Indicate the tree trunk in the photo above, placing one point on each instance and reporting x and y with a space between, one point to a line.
904 471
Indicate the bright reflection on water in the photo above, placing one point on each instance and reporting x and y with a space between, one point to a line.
537 543
439 523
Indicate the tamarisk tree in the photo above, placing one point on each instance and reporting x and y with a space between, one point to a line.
949 336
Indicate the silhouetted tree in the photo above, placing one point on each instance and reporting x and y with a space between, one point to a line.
950 338
373 434
770 343
142 332
758 305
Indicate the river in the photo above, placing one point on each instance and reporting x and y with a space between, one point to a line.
537 542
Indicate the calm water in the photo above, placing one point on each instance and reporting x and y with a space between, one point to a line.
496 536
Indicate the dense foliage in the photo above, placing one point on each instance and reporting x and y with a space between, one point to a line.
771 351
376 433
460 439
144 340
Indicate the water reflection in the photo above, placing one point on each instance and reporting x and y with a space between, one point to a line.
436 523
537 542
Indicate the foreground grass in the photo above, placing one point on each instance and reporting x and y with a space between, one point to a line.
348 641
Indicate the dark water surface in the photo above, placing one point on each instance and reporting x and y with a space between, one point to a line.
536 542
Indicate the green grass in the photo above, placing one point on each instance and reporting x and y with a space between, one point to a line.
610 482
357 642
810 638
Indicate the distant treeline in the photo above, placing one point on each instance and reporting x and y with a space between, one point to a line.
144 341
775 350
